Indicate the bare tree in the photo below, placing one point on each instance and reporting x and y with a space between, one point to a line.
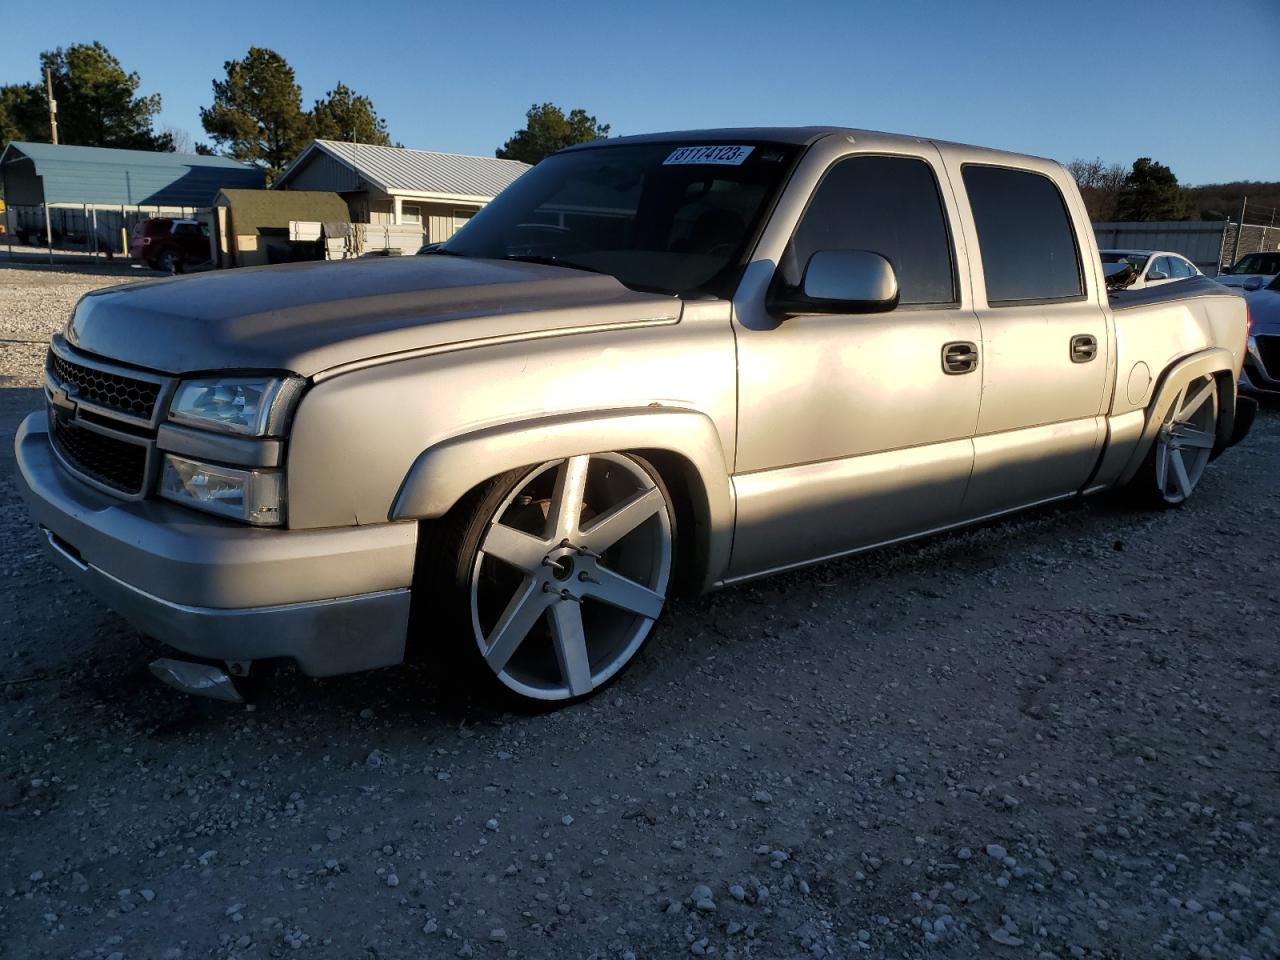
179 139
1100 185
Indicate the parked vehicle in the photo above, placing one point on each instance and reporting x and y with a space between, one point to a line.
1150 267
164 243
1251 272
653 363
1261 374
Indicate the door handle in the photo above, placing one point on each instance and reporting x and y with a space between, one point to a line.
960 356
1084 348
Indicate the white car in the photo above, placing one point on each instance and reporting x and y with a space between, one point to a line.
1251 271
1154 267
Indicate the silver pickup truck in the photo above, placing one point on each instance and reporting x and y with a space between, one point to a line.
654 363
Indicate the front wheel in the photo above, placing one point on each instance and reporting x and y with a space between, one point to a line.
557 574
1183 445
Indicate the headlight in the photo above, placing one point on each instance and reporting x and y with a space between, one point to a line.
253 496
251 406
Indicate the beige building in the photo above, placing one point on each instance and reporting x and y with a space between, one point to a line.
393 185
252 227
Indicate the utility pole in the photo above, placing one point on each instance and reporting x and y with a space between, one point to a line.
1244 205
53 105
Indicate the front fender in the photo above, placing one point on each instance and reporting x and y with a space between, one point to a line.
1210 362
445 472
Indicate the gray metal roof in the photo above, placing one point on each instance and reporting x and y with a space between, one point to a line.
399 170
103 175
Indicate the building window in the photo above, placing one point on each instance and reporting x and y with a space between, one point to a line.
411 214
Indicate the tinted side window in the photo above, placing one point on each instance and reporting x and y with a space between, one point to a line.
1028 246
889 205
1180 268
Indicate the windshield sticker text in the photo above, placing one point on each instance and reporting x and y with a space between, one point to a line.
724 156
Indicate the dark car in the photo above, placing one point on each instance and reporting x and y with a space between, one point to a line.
1252 272
1261 372
163 243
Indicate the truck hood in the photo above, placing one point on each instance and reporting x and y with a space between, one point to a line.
310 317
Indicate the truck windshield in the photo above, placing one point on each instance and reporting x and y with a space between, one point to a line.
1263 263
676 218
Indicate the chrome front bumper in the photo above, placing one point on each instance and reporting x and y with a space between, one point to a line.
335 601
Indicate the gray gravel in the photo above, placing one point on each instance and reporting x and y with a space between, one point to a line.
1057 736
35 302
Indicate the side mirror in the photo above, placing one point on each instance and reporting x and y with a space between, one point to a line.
1254 283
839 281
1156 275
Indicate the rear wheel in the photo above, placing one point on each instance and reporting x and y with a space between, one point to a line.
1183 445
170 262
557 574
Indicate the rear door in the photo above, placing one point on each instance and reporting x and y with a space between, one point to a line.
191 241
1045 337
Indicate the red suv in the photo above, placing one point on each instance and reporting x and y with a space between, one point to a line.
163 243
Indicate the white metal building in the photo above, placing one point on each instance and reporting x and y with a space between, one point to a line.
393 185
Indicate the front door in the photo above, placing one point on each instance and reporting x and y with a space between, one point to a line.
852 430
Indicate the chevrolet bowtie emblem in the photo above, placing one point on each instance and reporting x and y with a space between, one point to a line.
61 396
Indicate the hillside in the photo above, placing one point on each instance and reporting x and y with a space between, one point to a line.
1221 201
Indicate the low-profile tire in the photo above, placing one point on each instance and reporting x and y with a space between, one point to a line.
1182 448
548 579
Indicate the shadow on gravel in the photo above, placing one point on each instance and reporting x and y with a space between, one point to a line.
112 268
15 404
423 700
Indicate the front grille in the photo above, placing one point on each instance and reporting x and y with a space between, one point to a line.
111 390
115 463
1269 350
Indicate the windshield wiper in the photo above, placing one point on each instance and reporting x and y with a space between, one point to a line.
552 262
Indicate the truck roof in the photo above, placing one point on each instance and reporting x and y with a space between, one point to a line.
799 136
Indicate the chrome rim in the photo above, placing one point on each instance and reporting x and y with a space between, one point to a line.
571 574
1186 440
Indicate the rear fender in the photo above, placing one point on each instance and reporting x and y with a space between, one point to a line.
1215 362
444 473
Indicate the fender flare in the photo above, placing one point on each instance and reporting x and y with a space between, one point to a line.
445 472
1210 362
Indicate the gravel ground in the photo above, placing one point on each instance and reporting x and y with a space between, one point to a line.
35 301
1057 736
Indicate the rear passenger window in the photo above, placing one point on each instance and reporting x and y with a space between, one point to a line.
1028 246
890 206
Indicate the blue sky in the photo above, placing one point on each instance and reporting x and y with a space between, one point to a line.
1073 78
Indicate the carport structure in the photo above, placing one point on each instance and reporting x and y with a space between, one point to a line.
88 196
